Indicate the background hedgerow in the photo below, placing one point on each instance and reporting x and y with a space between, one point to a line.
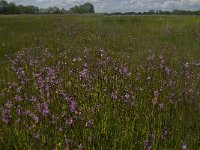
100 82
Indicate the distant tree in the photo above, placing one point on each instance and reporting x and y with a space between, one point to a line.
151 12
85 8
74 9
12 9
53 10
3 7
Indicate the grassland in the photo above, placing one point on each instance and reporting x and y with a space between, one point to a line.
99 82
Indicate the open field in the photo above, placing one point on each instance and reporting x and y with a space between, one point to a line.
99 82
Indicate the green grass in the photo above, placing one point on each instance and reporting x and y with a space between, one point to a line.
119 33
135 42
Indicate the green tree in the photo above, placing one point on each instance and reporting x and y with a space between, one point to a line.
74 9
85 8
12 9
3 7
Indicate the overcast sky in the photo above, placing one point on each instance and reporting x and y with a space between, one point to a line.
117 5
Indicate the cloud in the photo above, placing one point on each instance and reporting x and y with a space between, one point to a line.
117 5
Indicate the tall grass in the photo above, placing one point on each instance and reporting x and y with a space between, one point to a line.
99 82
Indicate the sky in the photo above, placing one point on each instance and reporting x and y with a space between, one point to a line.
117 5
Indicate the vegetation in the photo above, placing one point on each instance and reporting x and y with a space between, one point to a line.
83 9
99 82
159 12
11 8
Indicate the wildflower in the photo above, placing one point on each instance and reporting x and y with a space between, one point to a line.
43 108
84 73
147 145
148 78
164 134
60 129
161 105
185 147
35 118
80 147
37 135
33 99
72 104
101 63
31 63
186 65
124 71
53 119
69 121
76 59
17 98
99 105
154 100
156 93
8 104
114 95
67 147
89 123
18 110
100 52
127 96
6 115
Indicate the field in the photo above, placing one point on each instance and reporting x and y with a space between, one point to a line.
99 82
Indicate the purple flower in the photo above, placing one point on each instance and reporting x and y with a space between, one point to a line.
147 145
32 115
67 147
114 95
89 123
8 104
69 121
33 99
72 104
99 105
101 63
60 129
100 52
185 147
35 118
17 98
37 135
124 71
18 110
84 73
76 59
161 105
6 115
53 119
155 93
43 108
164 134
80 147
31 63
63 114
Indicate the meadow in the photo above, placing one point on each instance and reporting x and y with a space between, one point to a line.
99 82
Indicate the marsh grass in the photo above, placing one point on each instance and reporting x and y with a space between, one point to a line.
99 82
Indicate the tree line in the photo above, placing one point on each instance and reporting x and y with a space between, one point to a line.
159 12
12 8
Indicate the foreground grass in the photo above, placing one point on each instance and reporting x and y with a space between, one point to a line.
135 86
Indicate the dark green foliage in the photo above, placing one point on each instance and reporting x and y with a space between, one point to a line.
11 8
82 9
